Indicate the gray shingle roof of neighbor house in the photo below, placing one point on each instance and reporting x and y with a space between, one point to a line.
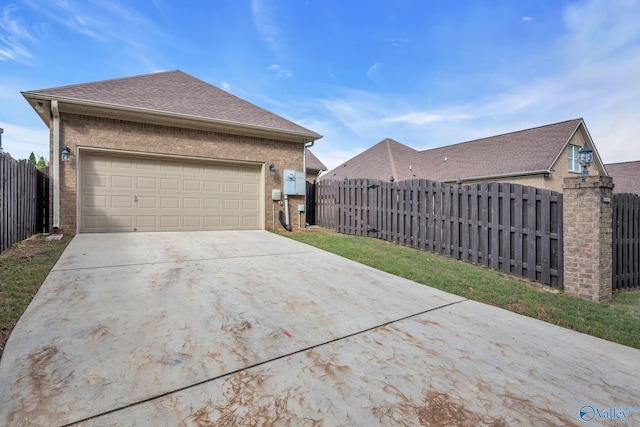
313 163
526 151
386 159
173 93
626 176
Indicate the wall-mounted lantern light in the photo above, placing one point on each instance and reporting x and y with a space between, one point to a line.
64 155
40 107
585 155
272 169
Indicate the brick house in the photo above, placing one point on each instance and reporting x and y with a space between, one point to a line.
540 157
164 152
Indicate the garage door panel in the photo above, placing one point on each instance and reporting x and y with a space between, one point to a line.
122 221
170 221
191 169
146 165
232 187
192 222
118 181
191 185
231 205
212 204
147 202
249 221
169 166
97 222
249 188
170 202
249 204
121 163
129 193
231 221
91 201
146 183
144 222
212 186
95 180
212 221
191 203
121 202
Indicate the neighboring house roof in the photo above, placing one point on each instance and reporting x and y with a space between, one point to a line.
626 176
385 160
171 93
313 163
530 151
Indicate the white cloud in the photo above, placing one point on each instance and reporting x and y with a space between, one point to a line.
527 18
263 13
279 71
373 71
105 21
422 118
12 37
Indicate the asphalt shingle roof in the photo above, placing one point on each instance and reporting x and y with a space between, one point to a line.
626 177
314 163
175 92
527 150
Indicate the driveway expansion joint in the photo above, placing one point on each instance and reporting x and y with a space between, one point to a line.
264 362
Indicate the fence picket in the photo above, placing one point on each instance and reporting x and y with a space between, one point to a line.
626 242
507 227
23 200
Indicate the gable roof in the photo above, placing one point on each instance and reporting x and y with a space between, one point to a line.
313 163
529 151
532 150
626 176
170 93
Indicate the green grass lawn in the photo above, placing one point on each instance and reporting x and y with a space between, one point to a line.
23 268
617 320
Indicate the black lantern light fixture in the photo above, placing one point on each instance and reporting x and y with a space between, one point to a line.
272 169
585 156
64 155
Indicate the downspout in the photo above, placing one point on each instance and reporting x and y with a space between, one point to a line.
304 157
304 169
55 160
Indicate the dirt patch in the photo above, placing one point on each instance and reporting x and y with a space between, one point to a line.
29 248
309 229
435 409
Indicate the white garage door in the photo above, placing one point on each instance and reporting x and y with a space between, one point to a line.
131 193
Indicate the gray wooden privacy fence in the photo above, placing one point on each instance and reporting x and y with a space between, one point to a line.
507 227
24 200
626 242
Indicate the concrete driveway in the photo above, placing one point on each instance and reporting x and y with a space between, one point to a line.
249 328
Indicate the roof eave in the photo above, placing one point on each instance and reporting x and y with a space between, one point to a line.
501 176
226 125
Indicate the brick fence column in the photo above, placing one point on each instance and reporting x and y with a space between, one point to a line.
587 222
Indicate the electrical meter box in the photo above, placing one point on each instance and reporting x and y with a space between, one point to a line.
295 183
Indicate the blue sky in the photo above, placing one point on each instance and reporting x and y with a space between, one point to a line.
426 73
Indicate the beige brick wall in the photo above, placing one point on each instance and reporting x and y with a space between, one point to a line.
588 237
79 131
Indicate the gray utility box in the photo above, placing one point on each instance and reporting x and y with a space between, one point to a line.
295 183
